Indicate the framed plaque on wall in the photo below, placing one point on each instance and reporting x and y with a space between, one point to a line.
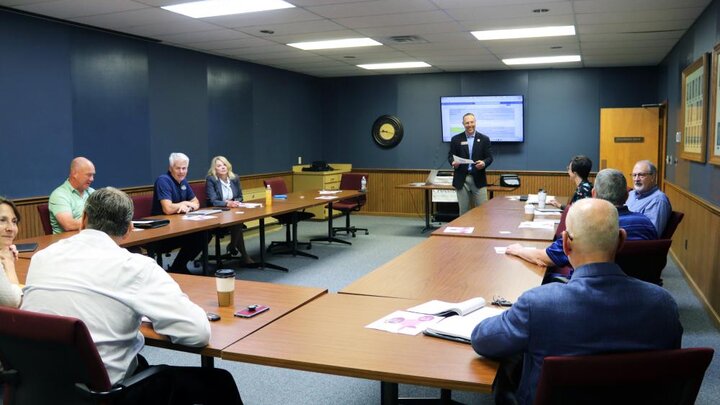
714 132
694 106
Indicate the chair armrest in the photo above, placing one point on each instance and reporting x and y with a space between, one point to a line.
127 385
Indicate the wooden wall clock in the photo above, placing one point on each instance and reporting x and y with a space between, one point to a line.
387 131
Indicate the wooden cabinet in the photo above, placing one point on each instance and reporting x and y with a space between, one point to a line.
329 180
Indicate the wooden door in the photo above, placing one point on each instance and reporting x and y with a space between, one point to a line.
628 135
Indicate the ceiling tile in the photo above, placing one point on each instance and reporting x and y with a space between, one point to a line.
372 8
80 8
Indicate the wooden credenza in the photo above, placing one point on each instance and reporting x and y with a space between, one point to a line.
329 180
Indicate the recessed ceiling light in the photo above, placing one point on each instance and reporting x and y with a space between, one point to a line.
542 60
396 65
335 43
213 8
537 32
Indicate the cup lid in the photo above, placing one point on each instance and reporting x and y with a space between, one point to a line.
225 273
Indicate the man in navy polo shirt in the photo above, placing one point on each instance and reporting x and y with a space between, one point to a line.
173 195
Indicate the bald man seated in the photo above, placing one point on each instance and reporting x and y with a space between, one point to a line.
599 310
66 202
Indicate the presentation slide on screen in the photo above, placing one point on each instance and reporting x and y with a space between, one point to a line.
498 117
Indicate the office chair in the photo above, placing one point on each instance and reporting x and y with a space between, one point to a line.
675 218
350 181
50 359
44 212
142 208
290 220
644 259
652 377
561 225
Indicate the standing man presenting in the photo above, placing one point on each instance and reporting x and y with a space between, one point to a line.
469 180
66 202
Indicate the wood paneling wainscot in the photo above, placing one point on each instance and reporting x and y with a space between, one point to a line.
696 245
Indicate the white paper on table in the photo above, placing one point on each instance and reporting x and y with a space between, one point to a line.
249 205
459 229
325 192
137 229
326 197
407 323
537 225
500 250
504 232
239 212
513 197
198 217
547 214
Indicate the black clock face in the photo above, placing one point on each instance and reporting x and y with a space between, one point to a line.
387 131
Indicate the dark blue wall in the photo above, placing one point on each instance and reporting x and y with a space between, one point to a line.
126 104
702 179
562 114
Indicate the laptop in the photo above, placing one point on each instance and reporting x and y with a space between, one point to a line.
149 223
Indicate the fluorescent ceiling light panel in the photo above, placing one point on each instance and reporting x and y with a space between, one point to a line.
538 32
335 44
213 8
542 59
397 65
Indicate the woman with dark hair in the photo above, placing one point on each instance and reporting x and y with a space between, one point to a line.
10 292
578 170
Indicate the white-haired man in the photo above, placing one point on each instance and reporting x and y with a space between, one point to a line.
173 195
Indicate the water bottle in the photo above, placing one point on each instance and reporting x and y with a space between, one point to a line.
268 196
542 196
363 184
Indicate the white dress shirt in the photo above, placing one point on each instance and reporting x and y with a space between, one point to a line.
10 294
88 276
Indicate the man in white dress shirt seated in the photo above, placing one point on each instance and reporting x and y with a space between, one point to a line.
90 277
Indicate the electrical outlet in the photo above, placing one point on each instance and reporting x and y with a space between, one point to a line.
678 135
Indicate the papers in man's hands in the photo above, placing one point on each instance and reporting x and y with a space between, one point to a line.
407 323
459 328
442 308
463 161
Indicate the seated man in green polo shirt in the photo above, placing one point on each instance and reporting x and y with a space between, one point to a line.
67 202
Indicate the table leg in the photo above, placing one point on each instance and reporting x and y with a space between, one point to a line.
428 207
330 237
262 263
205 253
388 393
207 361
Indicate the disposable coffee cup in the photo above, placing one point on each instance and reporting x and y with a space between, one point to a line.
529 212
225 283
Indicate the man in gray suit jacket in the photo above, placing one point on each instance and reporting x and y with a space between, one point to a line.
469 180
599 310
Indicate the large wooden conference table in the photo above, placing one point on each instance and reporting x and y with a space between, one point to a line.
328 335
452 269
179 226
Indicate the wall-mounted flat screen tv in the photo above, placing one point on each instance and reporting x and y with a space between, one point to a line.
498 117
